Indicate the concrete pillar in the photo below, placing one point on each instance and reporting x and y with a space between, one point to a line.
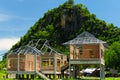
102 72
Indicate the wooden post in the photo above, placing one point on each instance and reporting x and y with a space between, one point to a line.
55 66
35 57
25 62
69 69
74 71
102 75
100 59
22 76
18 65
49 61
32 76
50 76
27 76
62 74
40 62
17 76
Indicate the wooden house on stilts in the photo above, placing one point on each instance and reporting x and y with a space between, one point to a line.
35 58
86 49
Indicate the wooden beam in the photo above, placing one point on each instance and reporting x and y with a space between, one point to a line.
84 62
18 65
40 62
21 72
25 61
35 57
55 66
69 69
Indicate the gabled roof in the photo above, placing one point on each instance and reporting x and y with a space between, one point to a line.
84 38
24 50
35 46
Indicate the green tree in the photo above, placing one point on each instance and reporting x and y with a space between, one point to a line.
112 56
70 1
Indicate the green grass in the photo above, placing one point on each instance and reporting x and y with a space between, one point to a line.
2 73
113 78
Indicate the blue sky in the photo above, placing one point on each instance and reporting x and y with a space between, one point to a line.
17 16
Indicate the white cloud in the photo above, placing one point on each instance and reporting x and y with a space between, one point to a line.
7 43
5 17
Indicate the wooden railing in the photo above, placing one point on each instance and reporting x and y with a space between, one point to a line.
47 68
64 67
85 59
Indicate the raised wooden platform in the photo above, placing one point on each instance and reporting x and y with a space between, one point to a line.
21 72
85 61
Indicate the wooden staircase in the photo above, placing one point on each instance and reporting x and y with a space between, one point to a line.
64 67
42 75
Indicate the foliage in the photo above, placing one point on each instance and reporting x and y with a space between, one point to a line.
112 56
2 64
70 1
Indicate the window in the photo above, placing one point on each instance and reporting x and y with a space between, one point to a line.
45 62
80 49
91 52
58 62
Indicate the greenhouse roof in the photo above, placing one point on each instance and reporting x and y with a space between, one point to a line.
84 38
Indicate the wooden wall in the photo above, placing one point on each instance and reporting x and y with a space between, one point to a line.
44 62
12 62
26 62
90 51
86 51
29 66
22 62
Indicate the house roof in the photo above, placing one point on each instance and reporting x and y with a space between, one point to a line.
84 38
35 46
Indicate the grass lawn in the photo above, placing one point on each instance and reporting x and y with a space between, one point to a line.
112 78
108 78
2 73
